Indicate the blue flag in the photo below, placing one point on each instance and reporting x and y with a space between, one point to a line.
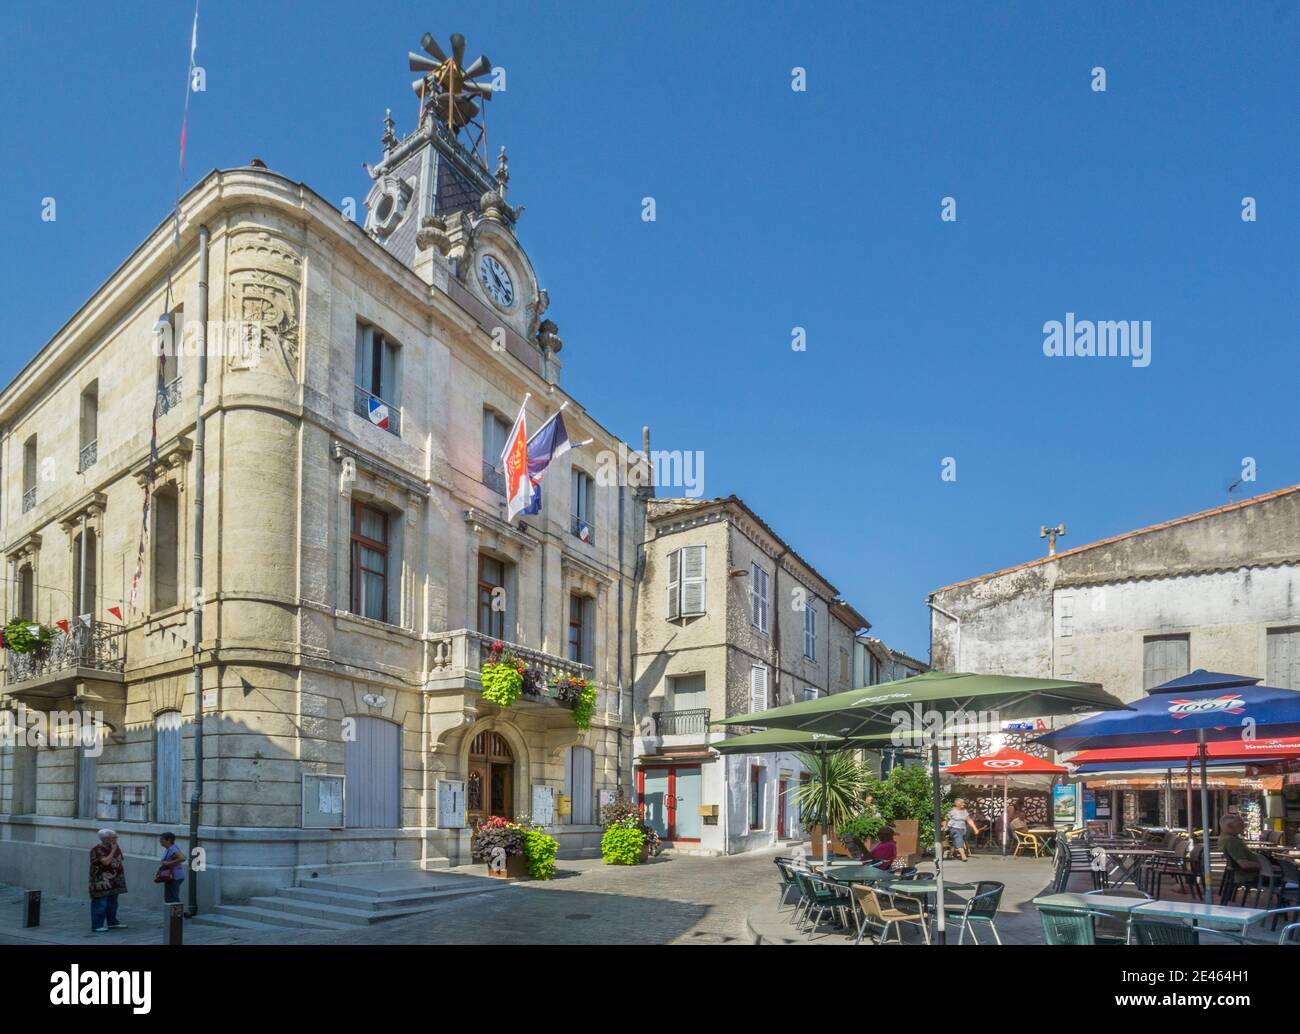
550 441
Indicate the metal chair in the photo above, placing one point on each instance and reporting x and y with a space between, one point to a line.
1154 932
874 914
1069 925
981 907
784 867
1027 841
825 897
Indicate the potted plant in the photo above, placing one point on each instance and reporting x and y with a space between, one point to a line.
502 676
540 850
501 845
842 797
627 840
22 636
579 694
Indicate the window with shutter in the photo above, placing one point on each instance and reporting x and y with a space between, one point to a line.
1164 658
692 575
810 633
758 688
758 597
674 584
1284 658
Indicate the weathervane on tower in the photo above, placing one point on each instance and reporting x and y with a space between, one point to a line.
447 93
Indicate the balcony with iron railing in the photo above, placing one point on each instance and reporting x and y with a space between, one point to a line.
456 659
88 456
494 478
86 662
169 396
377 411
691 722
29 499
582 529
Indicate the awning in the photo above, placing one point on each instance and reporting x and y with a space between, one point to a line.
1238 749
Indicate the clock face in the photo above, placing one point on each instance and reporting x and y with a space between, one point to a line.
496 281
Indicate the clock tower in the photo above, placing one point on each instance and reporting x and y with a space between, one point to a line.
435 206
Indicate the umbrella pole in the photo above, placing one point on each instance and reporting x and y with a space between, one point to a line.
1190 825
826 811
1205 822
940 937
1006 790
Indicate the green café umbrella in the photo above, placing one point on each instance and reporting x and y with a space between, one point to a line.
818 745
931 703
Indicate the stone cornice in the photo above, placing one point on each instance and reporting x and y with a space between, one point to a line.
500 527
380 468
585 569
90 506
28 545
171 455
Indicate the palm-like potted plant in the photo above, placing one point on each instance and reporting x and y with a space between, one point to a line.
837 801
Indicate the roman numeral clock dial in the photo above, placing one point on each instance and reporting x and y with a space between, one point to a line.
496 281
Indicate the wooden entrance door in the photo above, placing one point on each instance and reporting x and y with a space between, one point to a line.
490 779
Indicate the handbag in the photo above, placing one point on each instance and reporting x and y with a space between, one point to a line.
164 874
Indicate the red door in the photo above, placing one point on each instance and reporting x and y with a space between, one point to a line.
780 810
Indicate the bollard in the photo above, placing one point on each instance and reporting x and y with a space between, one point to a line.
174 924
32 909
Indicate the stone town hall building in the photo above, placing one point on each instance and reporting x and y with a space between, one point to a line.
353 573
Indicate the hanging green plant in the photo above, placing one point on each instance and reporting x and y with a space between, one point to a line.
19 637
585 707
502 683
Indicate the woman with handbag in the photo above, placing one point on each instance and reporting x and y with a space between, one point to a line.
107 881
171 873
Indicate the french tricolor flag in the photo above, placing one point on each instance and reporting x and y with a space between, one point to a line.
378 413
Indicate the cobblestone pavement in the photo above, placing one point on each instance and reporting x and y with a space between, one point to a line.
680 899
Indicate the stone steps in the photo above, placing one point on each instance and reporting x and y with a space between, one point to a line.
344 902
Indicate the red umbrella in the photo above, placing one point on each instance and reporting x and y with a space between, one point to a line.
1005 763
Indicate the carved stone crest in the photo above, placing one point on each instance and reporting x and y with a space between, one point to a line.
265 276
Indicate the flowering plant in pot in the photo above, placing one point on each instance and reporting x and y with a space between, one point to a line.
497 841
579 694
22 636
502 676
627 839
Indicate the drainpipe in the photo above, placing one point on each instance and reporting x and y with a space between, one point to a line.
618 662
956 661
196 799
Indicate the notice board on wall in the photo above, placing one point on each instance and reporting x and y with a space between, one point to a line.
322 801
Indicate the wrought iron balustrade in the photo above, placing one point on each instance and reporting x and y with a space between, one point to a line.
494 478
101 647
29 499
692 722
361 405
89 456
169 396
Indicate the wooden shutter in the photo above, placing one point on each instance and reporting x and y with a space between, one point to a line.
86 789
758 688
1284 658
674 583
364 363
692 580
372 761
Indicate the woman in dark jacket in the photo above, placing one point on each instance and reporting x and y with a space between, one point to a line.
107 881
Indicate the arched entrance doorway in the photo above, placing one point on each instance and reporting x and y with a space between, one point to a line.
489 785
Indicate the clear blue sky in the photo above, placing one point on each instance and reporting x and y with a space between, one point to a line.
779 209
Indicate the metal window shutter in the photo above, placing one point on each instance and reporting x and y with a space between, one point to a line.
167 768
578 772
758 688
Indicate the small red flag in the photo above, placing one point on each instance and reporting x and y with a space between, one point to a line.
116 612
63 626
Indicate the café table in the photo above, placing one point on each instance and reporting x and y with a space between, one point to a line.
1199 912
1047 834
923 891
1115 903
858 874
1129 871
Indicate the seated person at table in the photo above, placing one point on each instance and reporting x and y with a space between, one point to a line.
883 854
1230 843
1015 822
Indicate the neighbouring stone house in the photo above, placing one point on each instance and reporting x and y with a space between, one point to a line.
730 620
356 563
1219 590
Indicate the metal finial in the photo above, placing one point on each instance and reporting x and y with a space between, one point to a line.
503 171
389 139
